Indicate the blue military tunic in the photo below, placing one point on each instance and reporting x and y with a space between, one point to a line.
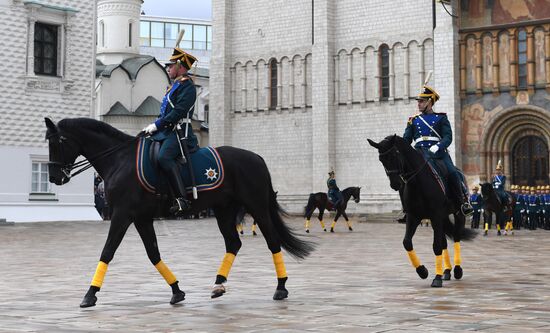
177 105
476 201
499 183
334 193
424 137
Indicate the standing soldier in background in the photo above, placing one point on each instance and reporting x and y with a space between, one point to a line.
541 209
477 205
532 208
519 207
547 207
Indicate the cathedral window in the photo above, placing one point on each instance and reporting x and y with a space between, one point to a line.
522 59
384 61
272 84
45 49
130 34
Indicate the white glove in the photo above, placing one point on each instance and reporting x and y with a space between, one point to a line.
150 129
482 210
434 148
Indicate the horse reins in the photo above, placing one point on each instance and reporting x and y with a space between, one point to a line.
86 163
405 176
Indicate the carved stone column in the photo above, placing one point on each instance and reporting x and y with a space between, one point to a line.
350 80
267 86
513 61
496 63
479 66
233 96
406 75
256 87
376 77
391 98
530 60
547 52
363 76
336 80
279 86
291 86
304 84
243 89
462 45
421 67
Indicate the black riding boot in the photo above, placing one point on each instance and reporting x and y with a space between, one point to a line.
181 204
463 202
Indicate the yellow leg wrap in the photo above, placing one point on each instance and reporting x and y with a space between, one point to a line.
253 228
486 226
439 265
239 227
279 265
322 224
348 223
413 258
458 258
446 259
498 227
165 272
333 224
307 224
511 226
99 275
227 262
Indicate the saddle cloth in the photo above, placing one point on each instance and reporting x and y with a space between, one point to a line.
207 168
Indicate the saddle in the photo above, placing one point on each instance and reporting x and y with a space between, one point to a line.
207 168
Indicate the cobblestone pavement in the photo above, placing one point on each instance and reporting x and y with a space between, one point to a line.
358 281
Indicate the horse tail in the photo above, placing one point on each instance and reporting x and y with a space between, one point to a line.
310 204
296 247
466 234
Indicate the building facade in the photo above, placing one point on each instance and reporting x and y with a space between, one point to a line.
46 60
305 90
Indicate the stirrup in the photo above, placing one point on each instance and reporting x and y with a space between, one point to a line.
181 205
466 209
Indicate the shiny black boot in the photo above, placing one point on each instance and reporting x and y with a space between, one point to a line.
181 204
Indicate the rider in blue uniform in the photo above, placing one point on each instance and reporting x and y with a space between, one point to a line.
431 133
334 193
499 184
177 108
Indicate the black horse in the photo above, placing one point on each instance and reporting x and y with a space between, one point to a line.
320 201
492 204
424 198
112 153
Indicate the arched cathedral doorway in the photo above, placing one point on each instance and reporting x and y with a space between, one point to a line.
530 161
520 137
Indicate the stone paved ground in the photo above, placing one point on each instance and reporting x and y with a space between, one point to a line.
355 282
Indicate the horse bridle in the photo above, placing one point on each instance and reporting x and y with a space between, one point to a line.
404 176
85 164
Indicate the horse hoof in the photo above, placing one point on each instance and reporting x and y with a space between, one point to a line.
325 230
218 291
485 233
280 294
307 230
177 297
447 275
331 229
422 271
437 282
254 233
350 228
498 233
242 232
458 272
88 301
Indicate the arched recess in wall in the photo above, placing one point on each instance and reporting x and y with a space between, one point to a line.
504 130
273 82
384 71
297 81
397 72
263 86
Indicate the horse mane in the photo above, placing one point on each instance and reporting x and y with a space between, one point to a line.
95 126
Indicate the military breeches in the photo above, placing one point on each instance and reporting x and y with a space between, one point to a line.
169 151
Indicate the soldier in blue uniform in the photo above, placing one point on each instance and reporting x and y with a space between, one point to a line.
547 207
177 108
499 184
431 133
477 205
532 208
542 206
519 207
334 194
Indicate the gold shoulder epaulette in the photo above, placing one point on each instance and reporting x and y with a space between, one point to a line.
411 118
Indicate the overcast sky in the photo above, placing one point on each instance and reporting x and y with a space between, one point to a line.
196 9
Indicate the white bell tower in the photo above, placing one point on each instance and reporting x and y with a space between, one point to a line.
117 30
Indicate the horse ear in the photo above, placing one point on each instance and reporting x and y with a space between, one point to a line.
50 125
374 144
